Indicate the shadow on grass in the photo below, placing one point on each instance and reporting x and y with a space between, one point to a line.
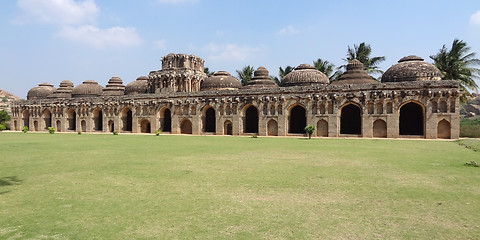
7 181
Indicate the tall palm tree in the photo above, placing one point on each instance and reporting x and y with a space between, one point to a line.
281 74
246 74
362 53
458 63
207 71
328 68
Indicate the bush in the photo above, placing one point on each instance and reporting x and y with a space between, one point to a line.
309 130
254 135
158 132
470 128
79 133
24 129
3 127
51 130
115 132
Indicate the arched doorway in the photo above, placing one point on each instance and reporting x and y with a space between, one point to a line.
127 118
351 120
59 126
15 125
111 126
186 127
379 129
26 118
83 125
145 126
210 120
72 119
47 118
443 129
98 119
272 128
227 128
166 120
322 128
297 120
251 120
411 119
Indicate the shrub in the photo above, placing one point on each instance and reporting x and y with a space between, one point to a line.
51 130
158 132
3 127
25 129
254 135
115 132
79 133
309 130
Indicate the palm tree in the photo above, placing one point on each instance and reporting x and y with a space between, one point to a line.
207 71
281 74
362 53
327 68
458 63
245 74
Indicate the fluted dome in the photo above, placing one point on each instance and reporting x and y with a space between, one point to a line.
64 91
140 86
43 90
303 75
355 74
114 87
221 80
412 68
261 79
88 88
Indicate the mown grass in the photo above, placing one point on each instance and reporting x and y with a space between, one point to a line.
68 186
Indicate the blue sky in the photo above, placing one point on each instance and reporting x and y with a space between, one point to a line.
53 40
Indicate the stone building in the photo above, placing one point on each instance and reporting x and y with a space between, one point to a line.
410 101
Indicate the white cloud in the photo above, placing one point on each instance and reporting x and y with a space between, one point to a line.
99 38
288 30
177 1
59 12
475 18
230 52
160 44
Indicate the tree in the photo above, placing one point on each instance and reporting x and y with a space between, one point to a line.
281 74
4 117
327 68
458 63
246 74
207 71
309 130
362 53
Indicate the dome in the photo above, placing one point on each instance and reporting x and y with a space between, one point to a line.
411 68
221 80
260 79
64 91
303 75
139 86
355 74
114 87
88 88
43 90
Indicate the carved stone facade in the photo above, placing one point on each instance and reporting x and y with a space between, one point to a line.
175 102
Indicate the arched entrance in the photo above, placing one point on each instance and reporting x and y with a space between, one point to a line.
59 126
322 128
227 128
166 120
379 129
145 126
411 119
351 120
111 126
186 127
83 125
72 119
15 125
127 118
210 120
443 129
272 128
251 120
26 118
98 119
297 120
47 118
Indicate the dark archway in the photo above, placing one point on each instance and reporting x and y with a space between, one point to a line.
111 126
98 120
298 120
167 121
145 126
26 119
47 117
186 127
72 120
351 120
127 118
251 120
210 120
227 128
411 119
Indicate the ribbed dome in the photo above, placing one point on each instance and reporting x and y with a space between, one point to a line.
140 86
261 79
114 87
40 91
411 68
64 91
355 74
303 75
221 80
88 88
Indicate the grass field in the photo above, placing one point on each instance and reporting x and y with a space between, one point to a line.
68 186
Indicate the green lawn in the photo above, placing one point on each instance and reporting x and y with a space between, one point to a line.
69 186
